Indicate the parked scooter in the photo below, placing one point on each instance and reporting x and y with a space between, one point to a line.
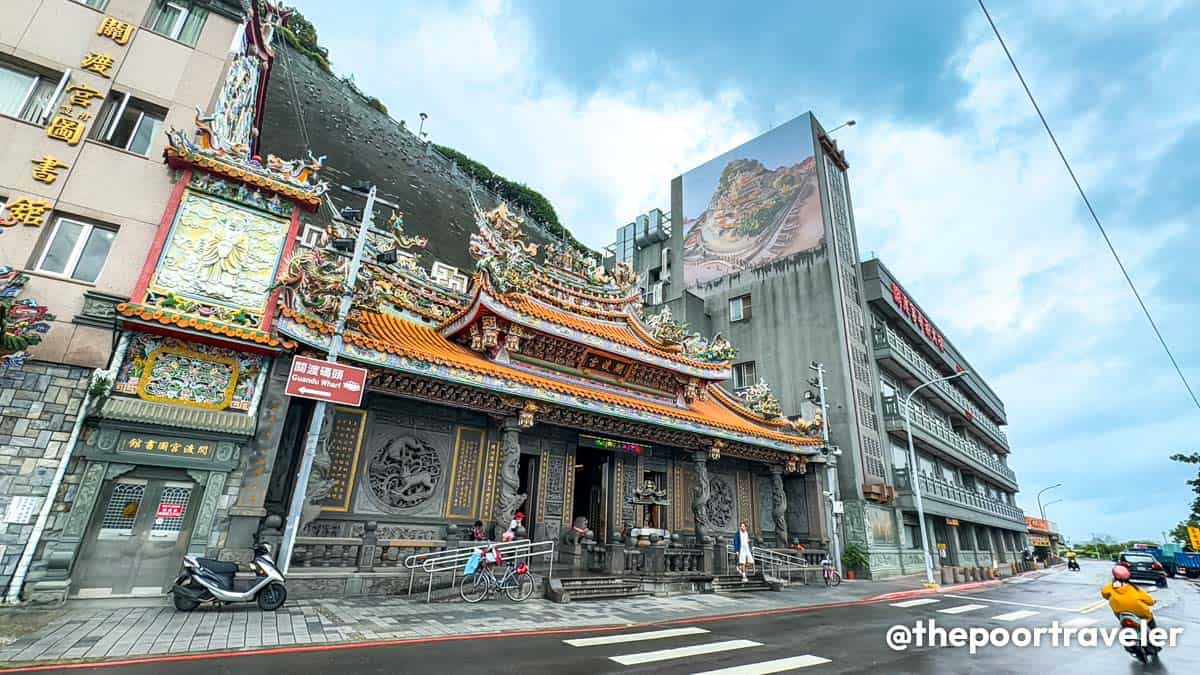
1139 651
208 580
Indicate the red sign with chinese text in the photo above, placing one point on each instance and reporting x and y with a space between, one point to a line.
1037 524
166 510
325 381
918 319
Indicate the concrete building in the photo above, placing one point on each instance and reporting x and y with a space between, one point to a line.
86 91
787 288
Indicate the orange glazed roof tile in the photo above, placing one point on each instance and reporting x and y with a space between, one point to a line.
623 332
392 335
167 317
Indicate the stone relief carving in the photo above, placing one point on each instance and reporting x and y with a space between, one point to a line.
700 496
779 506
321 480
720 503
507 498
404 472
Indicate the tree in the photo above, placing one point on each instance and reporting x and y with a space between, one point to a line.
1193 518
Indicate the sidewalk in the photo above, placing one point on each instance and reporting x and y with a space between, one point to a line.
101 630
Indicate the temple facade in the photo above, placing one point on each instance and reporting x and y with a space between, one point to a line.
538 386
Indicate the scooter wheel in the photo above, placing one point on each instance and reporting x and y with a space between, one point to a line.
184 604
272 597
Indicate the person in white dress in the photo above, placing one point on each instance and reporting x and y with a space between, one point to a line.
741 545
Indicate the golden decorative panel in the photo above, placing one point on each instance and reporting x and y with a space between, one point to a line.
345 444
465 472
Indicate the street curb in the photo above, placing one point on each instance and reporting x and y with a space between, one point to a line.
918 592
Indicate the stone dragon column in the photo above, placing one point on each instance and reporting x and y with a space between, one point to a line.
700 494
507 498
779 505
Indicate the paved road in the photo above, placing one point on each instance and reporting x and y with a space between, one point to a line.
845 639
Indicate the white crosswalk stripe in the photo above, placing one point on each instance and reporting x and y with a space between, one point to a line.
915 603
961 609
680 652
767 667
1080 621
1013 616
633 637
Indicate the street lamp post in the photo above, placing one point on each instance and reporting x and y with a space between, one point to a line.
318 414
916 479
1042 509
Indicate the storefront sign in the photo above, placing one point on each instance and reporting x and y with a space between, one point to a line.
325 381
1194 535
916 317
598 363
952 522
1037 524
167 510
1039 540
587 441
147 444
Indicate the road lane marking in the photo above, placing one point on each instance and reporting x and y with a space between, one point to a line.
1009 602
961 609
915 603
1079 622
1019 580
1013 616
767 667
680 652
1093 607
633 637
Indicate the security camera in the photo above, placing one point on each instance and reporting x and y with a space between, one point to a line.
828 494
837 452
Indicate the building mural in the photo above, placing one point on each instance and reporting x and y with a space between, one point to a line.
752 205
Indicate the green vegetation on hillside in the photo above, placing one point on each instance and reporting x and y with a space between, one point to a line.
301 34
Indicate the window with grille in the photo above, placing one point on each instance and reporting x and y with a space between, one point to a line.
172 507
122 509
739 308
744 375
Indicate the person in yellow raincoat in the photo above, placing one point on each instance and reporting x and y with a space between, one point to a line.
1123 596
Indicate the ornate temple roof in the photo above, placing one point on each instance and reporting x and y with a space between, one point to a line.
519 312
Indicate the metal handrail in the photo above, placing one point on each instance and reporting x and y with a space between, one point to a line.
779 561
451 560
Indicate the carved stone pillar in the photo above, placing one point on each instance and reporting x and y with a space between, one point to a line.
507 499
320 483
700 494
779 506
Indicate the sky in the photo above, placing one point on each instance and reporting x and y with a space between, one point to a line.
955 185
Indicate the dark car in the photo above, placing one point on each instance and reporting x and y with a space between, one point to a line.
1143 567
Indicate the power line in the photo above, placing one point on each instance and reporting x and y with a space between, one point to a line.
1092 211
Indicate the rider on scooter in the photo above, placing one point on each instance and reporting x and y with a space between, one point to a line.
1123 596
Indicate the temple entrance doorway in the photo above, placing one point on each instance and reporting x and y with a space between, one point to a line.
591 490
527 476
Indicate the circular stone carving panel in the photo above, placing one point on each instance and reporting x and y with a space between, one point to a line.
720 503
404 472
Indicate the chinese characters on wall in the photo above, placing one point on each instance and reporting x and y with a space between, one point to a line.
916 317
344 442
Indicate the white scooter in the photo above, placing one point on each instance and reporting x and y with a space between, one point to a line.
208 580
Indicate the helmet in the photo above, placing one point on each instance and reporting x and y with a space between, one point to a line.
519 516
1120 573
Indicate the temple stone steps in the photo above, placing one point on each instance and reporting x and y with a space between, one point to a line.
732 583
593 588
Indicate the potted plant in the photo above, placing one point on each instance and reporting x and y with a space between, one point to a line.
854 558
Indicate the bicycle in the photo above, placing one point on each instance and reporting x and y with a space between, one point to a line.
832 578
517 583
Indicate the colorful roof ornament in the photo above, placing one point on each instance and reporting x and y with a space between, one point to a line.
664 328
500 251
759 398
22 322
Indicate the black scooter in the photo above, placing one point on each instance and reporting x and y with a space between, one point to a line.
1072 564
208 580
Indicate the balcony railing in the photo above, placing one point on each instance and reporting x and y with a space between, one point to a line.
956 494
885 337
893 410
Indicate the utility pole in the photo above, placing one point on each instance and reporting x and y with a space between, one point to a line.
318 414
830 466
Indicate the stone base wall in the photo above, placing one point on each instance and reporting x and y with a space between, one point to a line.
39 403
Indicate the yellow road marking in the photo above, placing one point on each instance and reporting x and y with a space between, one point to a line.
1093 607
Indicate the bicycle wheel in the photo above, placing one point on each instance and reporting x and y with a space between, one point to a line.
835 579
520 587
476 589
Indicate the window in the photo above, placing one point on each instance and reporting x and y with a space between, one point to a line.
129 124
177 19
744 375
95 4
26 94
76 250
912 536
739 308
